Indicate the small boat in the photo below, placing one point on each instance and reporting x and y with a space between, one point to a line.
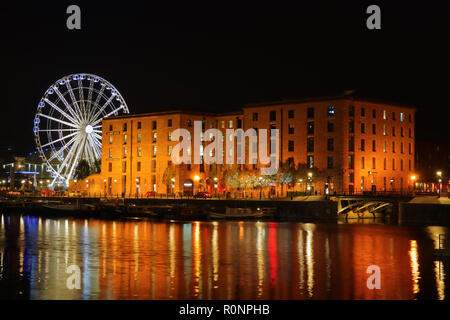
234 213
139 211
65 207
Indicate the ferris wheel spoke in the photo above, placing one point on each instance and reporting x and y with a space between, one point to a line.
99 112
97 100
80 89
52 130
66 160
89 100
64 101
60 121
60 111
97 131
111 113
76 158
57 153
74 101
93 148
60 139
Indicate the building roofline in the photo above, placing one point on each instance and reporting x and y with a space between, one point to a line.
175 111
328 98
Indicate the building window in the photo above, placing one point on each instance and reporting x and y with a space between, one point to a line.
393 131
291 128
154 151
310 162
255 116
154 137
110 153
393 116
374 128
169 150
363 128
363 112
139 125
401 147
222 124
362 162
310 113
331 111
374 146
330 126
169 123
410 132
374 113
351 111
409 118
351 126
409 148
124 166
401 164
393 146
330 144
351 177
169 138
239 123
139 137
125 126
124 152
273 115
203 124
384 164
374 163
401 117
125 138
384 146
110 166
138 166
291 114
290 146
384 115
189 123
153 167
330 163
393 164
139 152
362 183
351 144
310 145
110 139
384 130
110 127
290 162
351 162
310 128
363 145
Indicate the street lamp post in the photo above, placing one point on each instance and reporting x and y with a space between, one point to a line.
439 175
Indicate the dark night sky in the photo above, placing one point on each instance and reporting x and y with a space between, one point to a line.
221 55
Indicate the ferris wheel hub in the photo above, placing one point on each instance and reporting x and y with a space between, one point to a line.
88 129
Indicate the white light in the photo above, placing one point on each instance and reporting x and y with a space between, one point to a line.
89 129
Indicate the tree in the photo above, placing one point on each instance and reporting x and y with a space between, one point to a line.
286 174
231 178
168 175
82 170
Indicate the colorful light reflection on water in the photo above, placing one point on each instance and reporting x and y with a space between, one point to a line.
217 260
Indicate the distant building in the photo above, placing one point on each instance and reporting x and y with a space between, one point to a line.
360 145
432 157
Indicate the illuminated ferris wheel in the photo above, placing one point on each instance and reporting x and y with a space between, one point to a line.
68 122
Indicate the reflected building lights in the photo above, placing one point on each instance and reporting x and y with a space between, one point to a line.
310 262
260 256
215 254
414 257
440 279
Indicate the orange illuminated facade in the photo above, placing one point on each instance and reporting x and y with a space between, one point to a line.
360 146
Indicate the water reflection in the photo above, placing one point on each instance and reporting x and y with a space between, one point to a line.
216 260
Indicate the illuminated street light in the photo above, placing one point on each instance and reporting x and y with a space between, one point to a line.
439 173
196 178
310 174
413 178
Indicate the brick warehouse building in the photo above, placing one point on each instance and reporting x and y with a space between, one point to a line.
360 145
